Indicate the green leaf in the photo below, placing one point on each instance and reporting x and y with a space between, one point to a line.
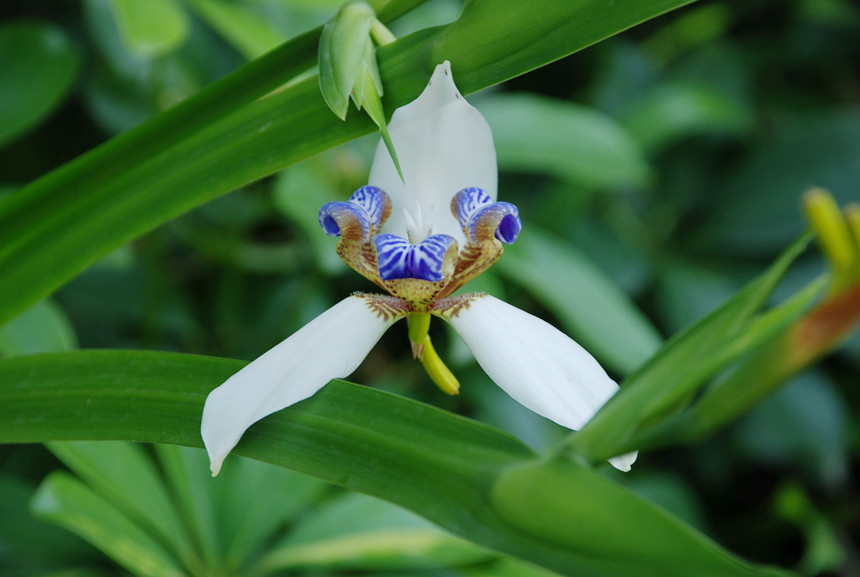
589 304
42 328
564 503
126 477
372 104
680 367
64 500
773 358
247 31
152 28
356 532
40 64
227 135
490 44
360 438
34 242
572 142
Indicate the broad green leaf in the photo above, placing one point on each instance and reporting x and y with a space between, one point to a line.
40 64
90 185
681 366
64 500
247 31
490 44
564 503
363 439
575 143
596 312
152 28
356 532
226 135
126 477
42 328
673 112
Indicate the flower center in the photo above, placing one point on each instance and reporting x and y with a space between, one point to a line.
433 268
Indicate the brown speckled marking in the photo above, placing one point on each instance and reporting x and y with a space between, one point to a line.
386 307
475 258
417 292
361 257
451 307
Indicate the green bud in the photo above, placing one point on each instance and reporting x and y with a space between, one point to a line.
348 69
342 54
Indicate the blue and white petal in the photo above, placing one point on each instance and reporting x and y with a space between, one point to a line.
481 218
535 363
357 218
398 259
444 145
329 347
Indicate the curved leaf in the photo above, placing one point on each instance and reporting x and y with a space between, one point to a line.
227 135
152 28
40 65
455 472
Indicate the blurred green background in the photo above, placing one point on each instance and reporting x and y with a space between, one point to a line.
656 173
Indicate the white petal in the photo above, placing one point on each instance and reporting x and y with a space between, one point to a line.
623 462
329 347
536 364
444 145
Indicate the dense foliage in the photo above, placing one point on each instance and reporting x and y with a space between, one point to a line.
657 172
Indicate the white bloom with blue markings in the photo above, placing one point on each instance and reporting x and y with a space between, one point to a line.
420 239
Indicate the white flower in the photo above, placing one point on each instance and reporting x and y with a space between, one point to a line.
420 240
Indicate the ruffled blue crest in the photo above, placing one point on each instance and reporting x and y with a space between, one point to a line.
481 217
398 259
364 212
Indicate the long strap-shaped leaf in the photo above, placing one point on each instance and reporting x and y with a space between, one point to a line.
226 136
471 479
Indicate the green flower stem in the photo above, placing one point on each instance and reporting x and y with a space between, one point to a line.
764 344
665 384
381 34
